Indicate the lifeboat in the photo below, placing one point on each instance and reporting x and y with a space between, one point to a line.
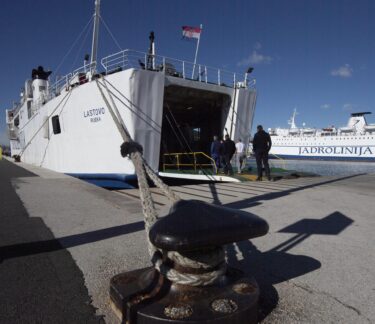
346 130
293 131
308 131
369 128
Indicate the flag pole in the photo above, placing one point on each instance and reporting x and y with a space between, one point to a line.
196 51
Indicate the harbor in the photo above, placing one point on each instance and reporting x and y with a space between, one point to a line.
62 240
153 179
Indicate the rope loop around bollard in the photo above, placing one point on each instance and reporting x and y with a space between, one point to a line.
211 264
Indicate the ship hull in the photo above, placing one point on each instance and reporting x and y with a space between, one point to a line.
88 145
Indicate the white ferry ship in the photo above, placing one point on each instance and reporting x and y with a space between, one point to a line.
354 142
171 107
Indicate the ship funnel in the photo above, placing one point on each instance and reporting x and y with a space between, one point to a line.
39 84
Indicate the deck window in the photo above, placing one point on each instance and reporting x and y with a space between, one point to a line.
56 125
28 109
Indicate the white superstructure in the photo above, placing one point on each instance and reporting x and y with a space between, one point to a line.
66 126
354 142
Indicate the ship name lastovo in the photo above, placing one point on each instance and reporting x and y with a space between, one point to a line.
94 114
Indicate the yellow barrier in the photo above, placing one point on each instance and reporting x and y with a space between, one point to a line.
194 164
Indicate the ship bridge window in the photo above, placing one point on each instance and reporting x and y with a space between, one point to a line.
17 121
56 125
42 88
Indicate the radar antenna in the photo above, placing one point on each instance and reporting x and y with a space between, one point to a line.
291 121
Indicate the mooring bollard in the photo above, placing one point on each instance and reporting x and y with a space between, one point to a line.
191 281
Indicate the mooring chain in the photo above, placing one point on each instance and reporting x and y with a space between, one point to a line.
213 263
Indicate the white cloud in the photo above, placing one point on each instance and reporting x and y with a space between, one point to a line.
256 58
349 107
344 71
325 106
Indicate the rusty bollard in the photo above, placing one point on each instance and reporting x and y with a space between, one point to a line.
198 231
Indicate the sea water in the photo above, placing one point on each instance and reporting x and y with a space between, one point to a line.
325 167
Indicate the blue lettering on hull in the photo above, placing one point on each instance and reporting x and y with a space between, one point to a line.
94 114
348 153
337 150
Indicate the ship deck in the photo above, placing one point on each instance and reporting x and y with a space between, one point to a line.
62 239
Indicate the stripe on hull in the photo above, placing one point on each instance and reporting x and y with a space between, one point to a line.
324 158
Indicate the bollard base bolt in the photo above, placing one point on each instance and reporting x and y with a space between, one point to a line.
145 297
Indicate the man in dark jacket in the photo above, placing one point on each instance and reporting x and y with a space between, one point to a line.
229 150
261 146
215 152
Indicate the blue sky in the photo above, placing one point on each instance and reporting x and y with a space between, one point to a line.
316 55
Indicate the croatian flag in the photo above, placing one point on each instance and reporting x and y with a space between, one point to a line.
191 32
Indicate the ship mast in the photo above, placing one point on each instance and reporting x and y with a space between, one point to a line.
292 121
95 36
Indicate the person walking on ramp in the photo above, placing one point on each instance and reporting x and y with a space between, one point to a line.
229 150
261 146
215 152
240 155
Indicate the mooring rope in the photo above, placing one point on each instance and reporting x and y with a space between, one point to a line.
211 263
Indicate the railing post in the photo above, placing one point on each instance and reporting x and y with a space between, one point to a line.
164 65
183 69
205 73
178 161
199 73
195 162
218 77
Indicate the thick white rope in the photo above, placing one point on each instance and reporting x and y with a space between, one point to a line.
191 279
214 259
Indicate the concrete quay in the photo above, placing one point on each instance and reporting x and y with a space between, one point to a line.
61 240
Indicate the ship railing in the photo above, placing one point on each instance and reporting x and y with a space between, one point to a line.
128 58
192 160
60 83
78 76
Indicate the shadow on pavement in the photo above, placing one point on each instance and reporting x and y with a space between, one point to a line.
41 288
31 248
253 201
277 265
269 268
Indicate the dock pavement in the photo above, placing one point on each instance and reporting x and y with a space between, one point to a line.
62 239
